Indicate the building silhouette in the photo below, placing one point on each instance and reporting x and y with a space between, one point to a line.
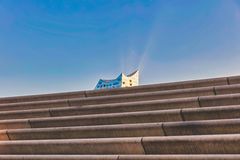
121 81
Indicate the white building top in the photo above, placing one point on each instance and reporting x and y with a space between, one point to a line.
121 81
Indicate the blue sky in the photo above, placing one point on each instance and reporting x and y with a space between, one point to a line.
67 45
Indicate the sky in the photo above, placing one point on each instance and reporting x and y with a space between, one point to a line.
52 46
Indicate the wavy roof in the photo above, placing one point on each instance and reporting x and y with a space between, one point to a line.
129 75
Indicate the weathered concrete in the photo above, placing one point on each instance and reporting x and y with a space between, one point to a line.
208 113
24 114
143 88
106 131
127 107
83 146
227 126
101 109
204 144
162 87
179 157
42 97
3 135
191 120
33 105
143 96
58 157
104 119
228 89
204 101
186 114
221 100
14 124
206 94
234 80
121 157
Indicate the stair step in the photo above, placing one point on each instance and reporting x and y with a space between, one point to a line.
112 108
202 101
206 127
101 109
189 120
203 144
143 88
186 114
121 157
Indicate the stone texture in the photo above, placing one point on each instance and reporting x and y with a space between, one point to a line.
107 131
121 157
234 80
208 113
230 99
228 89
126 107
179 157
204 144
162 87
58 157
228 126
190 120
3 135
83 146
146 96
24 114
104 119
14 124
43 97
33 105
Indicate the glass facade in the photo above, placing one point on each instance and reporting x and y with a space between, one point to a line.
121 81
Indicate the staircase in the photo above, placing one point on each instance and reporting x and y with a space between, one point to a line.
190 120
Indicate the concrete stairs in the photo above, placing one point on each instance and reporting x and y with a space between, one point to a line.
190 120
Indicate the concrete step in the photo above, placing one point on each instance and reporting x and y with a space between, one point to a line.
203 144
189 120
122 157
158 95
101 109
202 101
169 86
206 127
186 114
206 101
110 99
143 88
33 105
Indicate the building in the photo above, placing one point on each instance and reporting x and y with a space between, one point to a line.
121 81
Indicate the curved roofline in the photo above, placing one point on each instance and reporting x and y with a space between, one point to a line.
129 75
106 79
133 73
109 79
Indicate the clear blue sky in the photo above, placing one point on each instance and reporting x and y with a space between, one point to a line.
56 45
